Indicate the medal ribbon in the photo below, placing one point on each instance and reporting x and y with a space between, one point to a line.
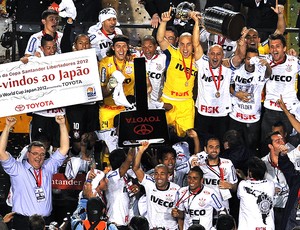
117 67
106 35
191 194
187 75
38 177
217 84
273 64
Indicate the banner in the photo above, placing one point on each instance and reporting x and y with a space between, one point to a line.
49 82
59 181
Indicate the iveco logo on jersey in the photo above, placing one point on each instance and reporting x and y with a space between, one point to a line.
161 202
281 78
210 79
105 45
209 109
154 75
243 80
211 181
193 212
181 68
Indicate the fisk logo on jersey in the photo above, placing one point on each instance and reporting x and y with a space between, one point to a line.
209 109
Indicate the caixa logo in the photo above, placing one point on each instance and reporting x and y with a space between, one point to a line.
143 129
34 105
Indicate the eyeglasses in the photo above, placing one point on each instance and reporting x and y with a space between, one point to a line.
38 154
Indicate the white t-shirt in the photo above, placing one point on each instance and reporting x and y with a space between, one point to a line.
198 207
256 206
117 198
110 137
102 42
34 42
211 175
252 83
274 174
155 68
282 82
207 103
160 204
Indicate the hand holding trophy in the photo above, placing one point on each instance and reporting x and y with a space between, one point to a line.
216 20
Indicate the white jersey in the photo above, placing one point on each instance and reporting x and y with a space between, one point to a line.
155 68
228 46
282 82
212 175
102 42
252 83
199 206
208 103
160 204
274 174
256 204
34 42
182 152
294 156
110 138
117 198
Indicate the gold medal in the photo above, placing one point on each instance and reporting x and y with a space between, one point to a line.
186 83
217 94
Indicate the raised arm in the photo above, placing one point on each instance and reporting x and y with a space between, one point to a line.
240 51
64 135
126 164
160 36
281 25
294 122
198 51
137 161
9 123
193 134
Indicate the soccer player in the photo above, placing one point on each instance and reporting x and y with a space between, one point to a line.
181 73
246 89
104 31
282 82
160 193
196 202
219 173
257 198
214 74
50 20
117 194
275 142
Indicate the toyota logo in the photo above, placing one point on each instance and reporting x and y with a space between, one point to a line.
19 108
143 129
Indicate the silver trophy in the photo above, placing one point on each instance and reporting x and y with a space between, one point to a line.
216 20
